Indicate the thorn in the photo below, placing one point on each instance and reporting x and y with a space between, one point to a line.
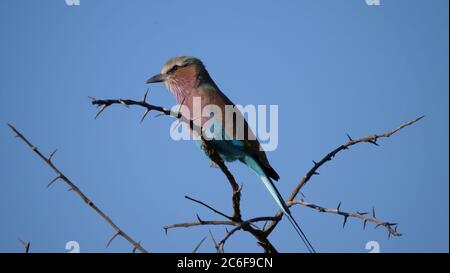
145 95
26 245
145 114
316 173
240 188
199 219
349 137
165 230
214 241
135 248
182 102
177 122
102 108
159 115
378 225
52 154
389 234
365 223
181 105
373 212
54 180
345 221
123 103
199 244
339 206
265 224
361 213
374 142
92 98
315 163
112 238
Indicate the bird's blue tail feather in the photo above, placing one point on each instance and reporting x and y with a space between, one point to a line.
250 162
279 199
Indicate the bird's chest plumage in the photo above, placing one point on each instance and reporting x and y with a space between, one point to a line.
198 103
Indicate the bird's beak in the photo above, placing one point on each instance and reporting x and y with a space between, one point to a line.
157 78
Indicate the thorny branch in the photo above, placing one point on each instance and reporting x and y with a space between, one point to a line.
372 139
391 227
73 187
368 139
207 146
210 150
236 221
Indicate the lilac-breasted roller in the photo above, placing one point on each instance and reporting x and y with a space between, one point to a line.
187 79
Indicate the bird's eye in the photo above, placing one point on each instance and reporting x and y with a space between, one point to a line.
173 69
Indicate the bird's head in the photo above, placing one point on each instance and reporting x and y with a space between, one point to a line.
179 71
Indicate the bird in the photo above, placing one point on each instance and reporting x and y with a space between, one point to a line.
186 78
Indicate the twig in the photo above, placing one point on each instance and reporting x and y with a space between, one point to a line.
209 207
368 139
391 227
313 171
198 223
73 187
239 224
227 236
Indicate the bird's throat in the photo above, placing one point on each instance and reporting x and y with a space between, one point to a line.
183 82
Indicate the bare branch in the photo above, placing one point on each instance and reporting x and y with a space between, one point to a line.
227 236
313 171
198 223
391 227
209 207
73 187
369 139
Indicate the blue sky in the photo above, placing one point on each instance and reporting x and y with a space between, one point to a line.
332 67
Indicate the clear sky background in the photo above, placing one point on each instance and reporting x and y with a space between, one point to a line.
333 67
